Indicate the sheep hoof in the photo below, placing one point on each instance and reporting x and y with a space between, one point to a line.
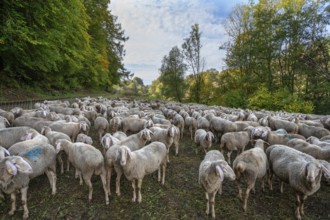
25 215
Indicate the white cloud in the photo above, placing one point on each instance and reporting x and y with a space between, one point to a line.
155 26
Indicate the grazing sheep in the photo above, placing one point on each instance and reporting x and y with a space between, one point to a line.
17 171
136 164
87 160
134 142
72 129
203 139
219 126
115 124
234 141
308 131
276 123
10 136
315 140
101 124
53 136
212 171
84 139
191 123
166 136
178 121
135 125
273 138
203 123
252 165
302 171
321 153
120 135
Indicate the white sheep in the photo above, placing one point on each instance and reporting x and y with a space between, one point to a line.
137 164
53 136
302 171
276 123
135 125
164 135
87 160
191 123
101 125
120 135
308 131
212 171
134 142
234 141
321 153
72 129
10 136
252 165
84 139
17 171
107 141
203 139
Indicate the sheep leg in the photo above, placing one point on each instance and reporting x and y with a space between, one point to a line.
24 202
139 181
207 211
239 188
247 193
228 155
109 173
159 174
298 208
13 203
60 160
78 174
52 180
119 173
164 171
270 179
212 203
220 189
176 149
281 189
134 192
104 183
301 199
87 178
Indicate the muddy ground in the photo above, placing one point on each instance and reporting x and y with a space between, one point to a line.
181 197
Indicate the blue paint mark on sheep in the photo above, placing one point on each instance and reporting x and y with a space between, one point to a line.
33 153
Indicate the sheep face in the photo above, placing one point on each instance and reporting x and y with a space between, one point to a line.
313 173
146 134
124 155
10 166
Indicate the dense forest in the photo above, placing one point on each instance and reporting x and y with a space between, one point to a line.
277 54
60 44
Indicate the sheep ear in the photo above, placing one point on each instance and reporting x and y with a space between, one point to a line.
219 173
17 163
326 171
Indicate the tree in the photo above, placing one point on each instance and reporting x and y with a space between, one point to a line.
172 74
192 53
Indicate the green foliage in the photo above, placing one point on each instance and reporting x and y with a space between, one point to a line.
235 98
172 75
280 99
59 44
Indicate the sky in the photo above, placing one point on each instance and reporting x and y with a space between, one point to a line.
154 27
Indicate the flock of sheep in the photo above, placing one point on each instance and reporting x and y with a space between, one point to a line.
136 137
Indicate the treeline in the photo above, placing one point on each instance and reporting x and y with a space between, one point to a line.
278 58
60 45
